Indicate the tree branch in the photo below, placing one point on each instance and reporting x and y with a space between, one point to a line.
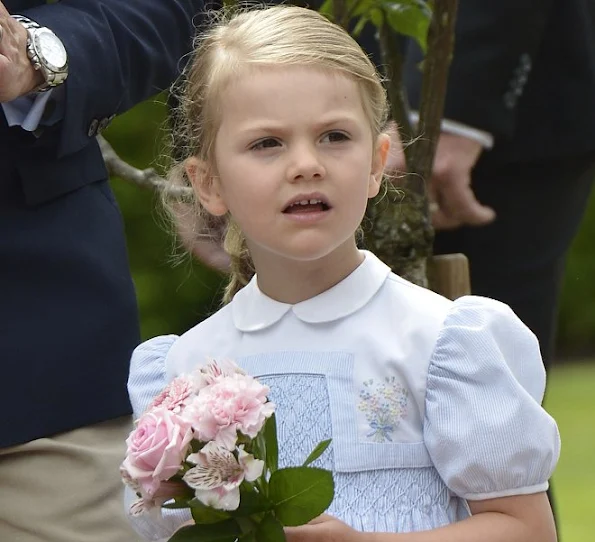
433 90
393 58
145 178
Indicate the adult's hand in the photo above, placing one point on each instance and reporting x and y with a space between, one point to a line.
452 201
17 75
450 185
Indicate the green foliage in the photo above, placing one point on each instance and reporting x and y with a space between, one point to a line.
317 452
226 531
271 444
407 17
576 323
172 297
570 401
410 18
270 529
205 515
300 493
251 502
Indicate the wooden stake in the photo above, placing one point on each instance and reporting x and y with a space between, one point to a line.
449 275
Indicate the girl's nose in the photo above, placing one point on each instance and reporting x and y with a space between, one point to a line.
305 165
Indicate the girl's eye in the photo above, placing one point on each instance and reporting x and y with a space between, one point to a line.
267 143
335 137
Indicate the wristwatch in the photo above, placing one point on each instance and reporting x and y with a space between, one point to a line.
46 52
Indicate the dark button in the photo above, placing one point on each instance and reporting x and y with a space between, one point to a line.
103 124
92 132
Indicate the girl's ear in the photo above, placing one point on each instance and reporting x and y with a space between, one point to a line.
378 164
206 186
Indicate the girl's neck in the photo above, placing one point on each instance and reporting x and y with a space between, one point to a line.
291 281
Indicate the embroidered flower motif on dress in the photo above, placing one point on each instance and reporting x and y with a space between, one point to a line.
384 404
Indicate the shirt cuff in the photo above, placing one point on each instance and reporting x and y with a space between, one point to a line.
457 128
26 111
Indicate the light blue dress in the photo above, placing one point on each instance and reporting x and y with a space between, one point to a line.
429 402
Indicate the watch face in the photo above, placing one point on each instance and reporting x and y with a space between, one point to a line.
51 50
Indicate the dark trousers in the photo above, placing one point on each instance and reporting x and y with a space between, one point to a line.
520 258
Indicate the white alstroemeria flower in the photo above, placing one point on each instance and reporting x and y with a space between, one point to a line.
252 467
217 476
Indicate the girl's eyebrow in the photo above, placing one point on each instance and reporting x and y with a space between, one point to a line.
268 126
346 118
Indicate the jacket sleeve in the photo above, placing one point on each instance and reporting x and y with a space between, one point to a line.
120 53
495 44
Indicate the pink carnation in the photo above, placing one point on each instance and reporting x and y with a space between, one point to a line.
231 403
207 375
156 449
175 395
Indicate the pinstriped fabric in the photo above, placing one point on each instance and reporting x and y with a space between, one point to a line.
484 432
147 372
484 428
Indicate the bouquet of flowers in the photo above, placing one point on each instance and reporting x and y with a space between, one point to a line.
208 442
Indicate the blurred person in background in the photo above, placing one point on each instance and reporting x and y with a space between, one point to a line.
68 316
515 162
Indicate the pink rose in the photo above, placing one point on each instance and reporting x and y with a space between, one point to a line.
231 403
156 449
175 395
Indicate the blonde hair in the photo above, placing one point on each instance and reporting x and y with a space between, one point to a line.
274 36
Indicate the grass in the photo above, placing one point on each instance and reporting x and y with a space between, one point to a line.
571 401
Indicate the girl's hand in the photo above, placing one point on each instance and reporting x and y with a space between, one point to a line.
324 528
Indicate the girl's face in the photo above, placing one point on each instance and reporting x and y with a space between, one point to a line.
295 163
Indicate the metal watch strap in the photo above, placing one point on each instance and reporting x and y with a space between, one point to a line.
52 78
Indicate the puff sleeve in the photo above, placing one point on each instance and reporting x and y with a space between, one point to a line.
484 426
146 379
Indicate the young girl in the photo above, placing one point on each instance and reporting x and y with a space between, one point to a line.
433 406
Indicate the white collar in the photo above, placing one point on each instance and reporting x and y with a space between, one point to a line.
252 310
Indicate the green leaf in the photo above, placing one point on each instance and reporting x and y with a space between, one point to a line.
196 445
300 494
272 445
178 503
204 515
361 23
251 502
227 531
409 18
326 8
317 452
270 529
182 499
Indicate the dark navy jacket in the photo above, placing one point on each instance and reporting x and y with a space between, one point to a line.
68 318
523 70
